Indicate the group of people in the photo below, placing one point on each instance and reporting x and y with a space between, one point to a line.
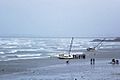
115 61
79 56
92 61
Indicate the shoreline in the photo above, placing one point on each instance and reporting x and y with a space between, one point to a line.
56 69
23 65
53 68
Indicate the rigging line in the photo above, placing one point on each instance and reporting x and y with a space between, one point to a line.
100 43
70 45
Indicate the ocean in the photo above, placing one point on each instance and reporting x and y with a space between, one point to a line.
30 48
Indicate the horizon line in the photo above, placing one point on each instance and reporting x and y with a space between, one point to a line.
57 36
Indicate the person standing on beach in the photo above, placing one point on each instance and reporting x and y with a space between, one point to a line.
91 61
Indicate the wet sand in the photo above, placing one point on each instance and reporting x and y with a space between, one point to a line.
13 66
57 69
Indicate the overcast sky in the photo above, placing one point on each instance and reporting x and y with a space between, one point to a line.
60 18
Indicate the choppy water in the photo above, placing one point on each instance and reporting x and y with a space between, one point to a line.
27 48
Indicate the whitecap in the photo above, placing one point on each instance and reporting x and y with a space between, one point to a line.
9 59
13 51
28 49
12 43
28 55
20 56
10 47
2 53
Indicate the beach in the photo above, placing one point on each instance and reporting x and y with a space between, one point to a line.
56 69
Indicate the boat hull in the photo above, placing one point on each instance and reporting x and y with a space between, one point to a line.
65 56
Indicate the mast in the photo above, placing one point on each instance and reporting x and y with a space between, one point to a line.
100 43
70 45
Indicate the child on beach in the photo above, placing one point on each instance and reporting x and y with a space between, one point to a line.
117 61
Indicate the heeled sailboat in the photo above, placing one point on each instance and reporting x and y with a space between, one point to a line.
67 55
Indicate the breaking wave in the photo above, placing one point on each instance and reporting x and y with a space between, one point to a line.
24 48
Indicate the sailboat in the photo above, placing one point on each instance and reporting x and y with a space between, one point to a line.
94 48
67 55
